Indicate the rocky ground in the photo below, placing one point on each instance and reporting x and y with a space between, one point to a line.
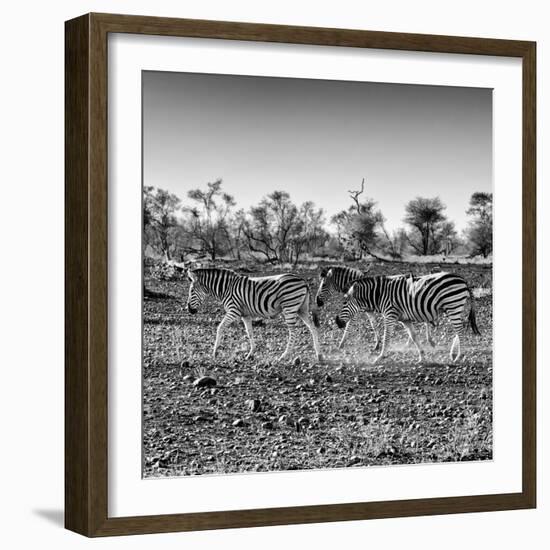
235 415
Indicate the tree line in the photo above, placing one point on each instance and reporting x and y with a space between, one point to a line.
210 225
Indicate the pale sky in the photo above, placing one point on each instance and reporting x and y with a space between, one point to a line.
317 139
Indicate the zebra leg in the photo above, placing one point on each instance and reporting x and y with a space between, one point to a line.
289 344
344 336
455 316
219 333
374 331
456 342
429 338
304 316
409 338
248 327
290 320
389 322
412 336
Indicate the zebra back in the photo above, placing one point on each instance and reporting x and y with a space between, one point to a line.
418 297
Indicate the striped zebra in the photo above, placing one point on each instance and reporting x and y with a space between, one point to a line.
407 300
247 297
339 279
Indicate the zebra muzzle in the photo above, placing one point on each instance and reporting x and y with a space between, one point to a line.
320 302
192 310
339 322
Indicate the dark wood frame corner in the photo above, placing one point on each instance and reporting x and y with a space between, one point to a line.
86 274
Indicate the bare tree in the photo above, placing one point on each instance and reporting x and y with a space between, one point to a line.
159 219
207 220
270 226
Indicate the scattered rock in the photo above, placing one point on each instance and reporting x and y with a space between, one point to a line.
303 421
267 425
328 378
204 382
238 423
354 460
253 404
297 361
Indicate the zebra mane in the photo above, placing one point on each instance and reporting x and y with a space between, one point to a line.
204 275
200 272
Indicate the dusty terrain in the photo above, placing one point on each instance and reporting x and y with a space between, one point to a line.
343 412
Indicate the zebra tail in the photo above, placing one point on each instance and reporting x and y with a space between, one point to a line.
313 310
472 315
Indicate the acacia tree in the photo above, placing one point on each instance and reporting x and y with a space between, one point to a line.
159 219
480 229
427 222
207 220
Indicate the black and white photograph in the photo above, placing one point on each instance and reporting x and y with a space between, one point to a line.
317 274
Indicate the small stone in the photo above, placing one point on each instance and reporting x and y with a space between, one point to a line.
184 364
253 404
238 423
297 361
267 425
328 378
188 378
303 421
354 460
321 451
204 382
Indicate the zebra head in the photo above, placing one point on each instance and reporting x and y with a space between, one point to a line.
360 295
348 310
326 288
197 293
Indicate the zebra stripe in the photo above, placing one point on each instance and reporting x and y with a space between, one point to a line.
246 297
339 279
408 299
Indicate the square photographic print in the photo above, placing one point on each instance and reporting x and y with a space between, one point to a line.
317 274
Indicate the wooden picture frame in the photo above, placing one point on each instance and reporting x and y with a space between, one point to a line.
86 281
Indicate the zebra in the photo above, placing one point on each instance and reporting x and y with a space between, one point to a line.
338 279
407 299
246 297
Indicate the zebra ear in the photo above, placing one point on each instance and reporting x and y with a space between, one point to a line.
324 271
191 275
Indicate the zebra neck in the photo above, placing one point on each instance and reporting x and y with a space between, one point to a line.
222 289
